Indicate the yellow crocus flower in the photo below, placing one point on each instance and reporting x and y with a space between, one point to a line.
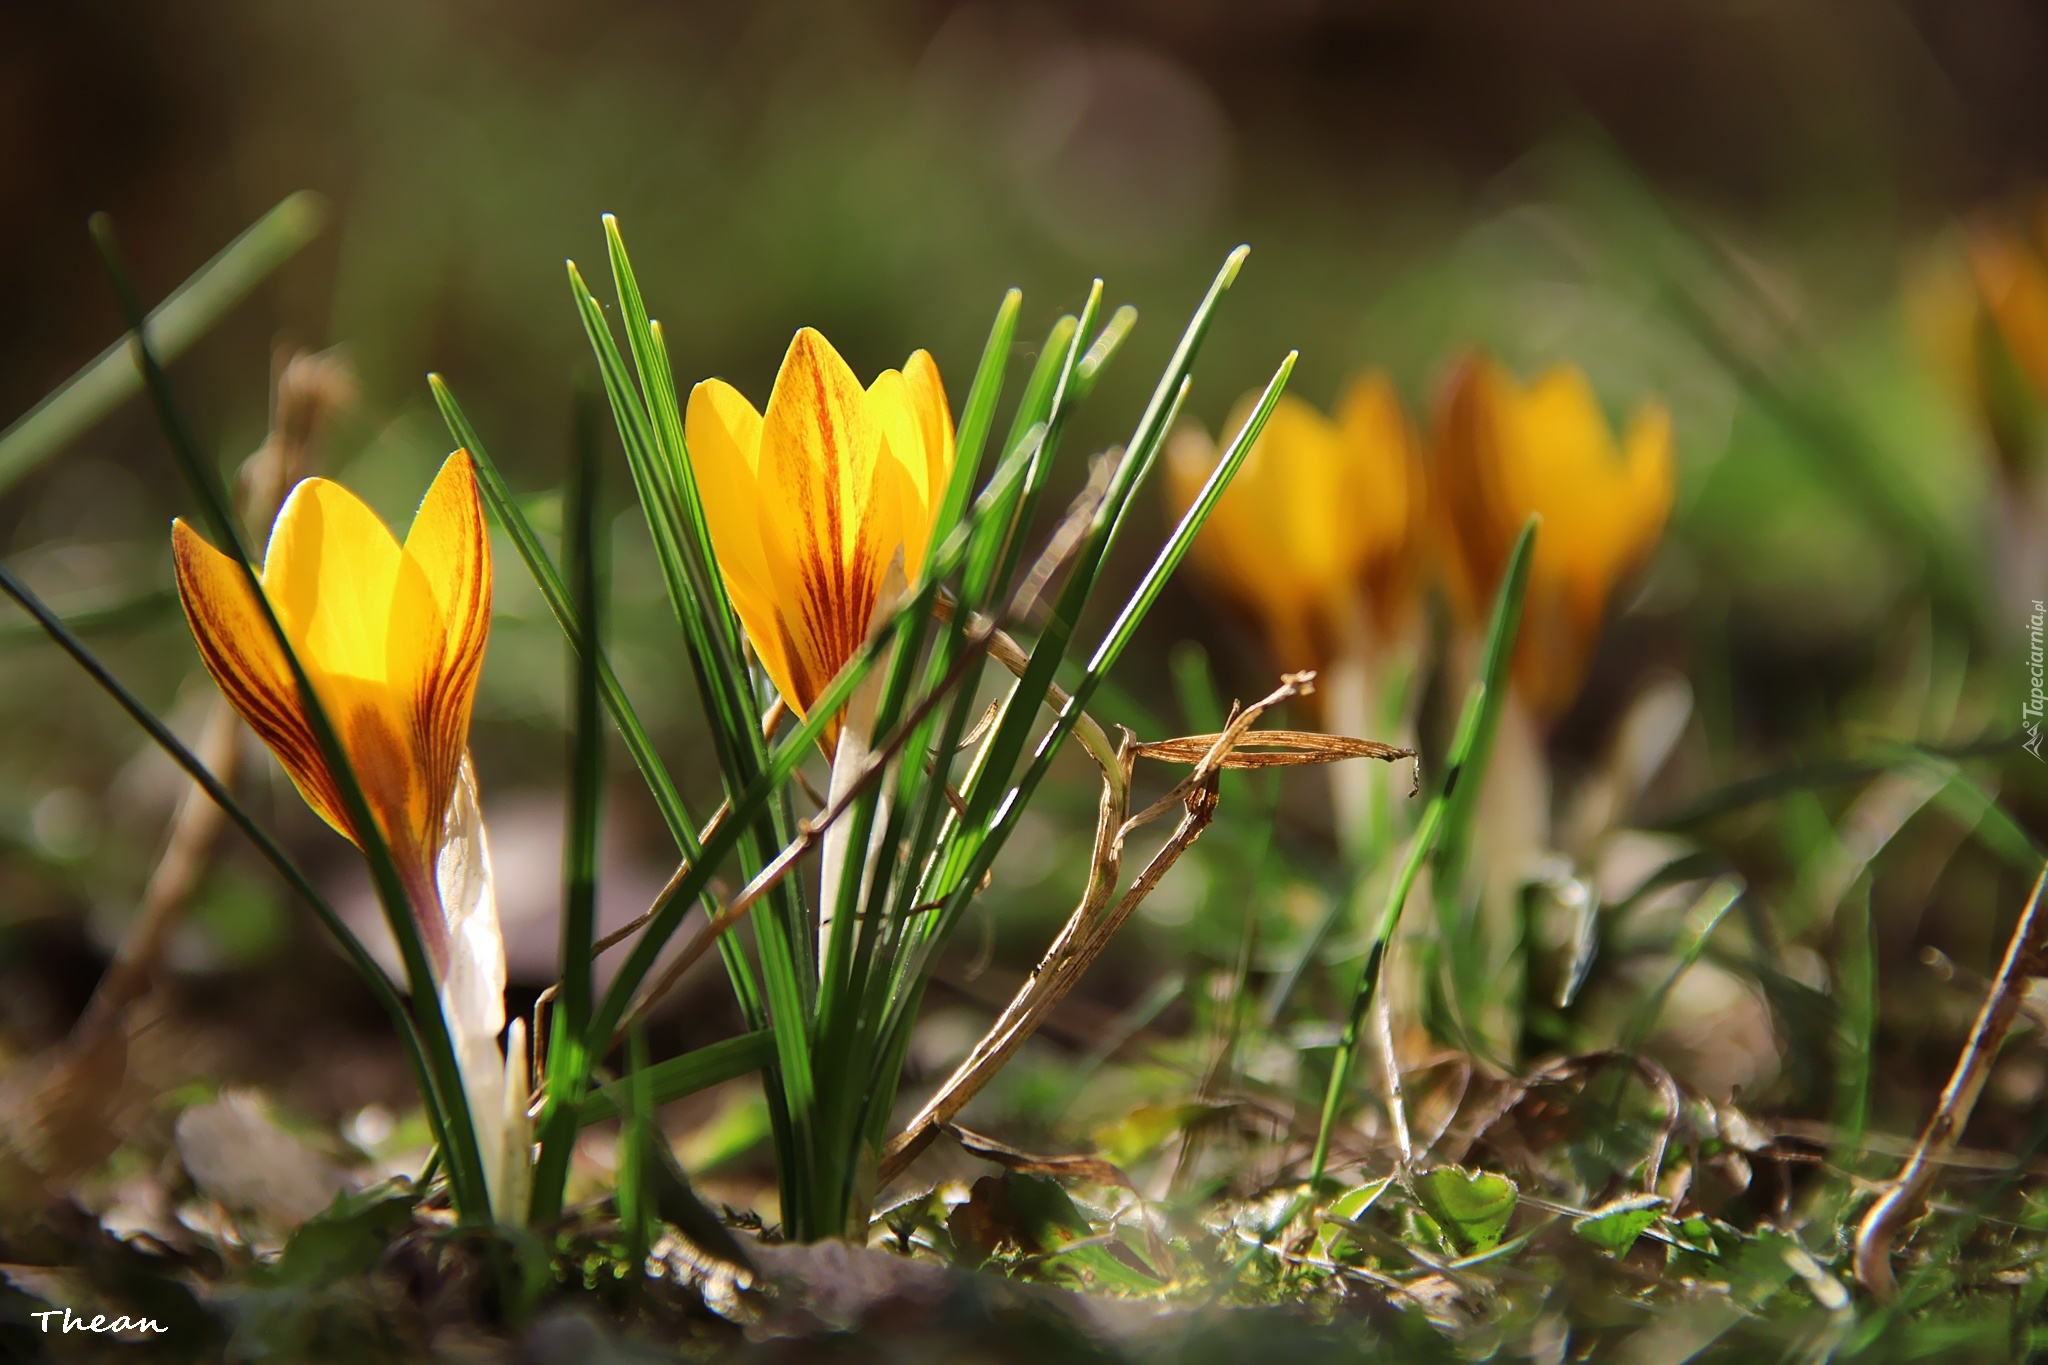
392 638
1320 532
1979 302
2011 274
1504 451
820 509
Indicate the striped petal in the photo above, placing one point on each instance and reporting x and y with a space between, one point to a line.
450 545
821 505
391 638
236 645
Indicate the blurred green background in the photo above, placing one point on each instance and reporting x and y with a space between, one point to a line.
1717 203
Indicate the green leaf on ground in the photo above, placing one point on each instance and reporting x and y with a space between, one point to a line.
1614 1227
1474 1207
347 1239
1332 1238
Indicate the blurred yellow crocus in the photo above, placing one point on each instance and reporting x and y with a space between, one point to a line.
1505 450
391 636
1319 535
2011 275
1980 304
820 509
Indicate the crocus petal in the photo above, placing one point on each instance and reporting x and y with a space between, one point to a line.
820 447
2013 282
813 502
472 986
935 420
239 651
391 638
1318 515
724 436
361 617
1392 495
451 547
1505 452
905 497
723 433
1470 509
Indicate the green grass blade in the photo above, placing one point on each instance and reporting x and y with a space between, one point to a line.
142 608
995 826
498 497
505 510
786 973
1464 769
687 1074
658 392
782 935
998 754
735 722
1177 546
568 1060
185 315
636 1141
697 595
978 414
1103 349
787 755
1121 631
465 1168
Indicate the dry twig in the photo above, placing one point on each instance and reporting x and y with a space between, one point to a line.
70 1121
2024 955
1096 919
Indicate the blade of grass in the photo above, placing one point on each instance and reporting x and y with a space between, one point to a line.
785 758
846 1008
697 596
1120 632
928 799
505 510
1003 820
568 1061
1103 349
687 1074
735 722
636 1216
185 315
465 1168
998 756
978 414
1464 770
658 392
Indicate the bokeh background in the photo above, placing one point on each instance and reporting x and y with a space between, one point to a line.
1730 206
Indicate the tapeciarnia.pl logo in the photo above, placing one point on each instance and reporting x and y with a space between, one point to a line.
2037 699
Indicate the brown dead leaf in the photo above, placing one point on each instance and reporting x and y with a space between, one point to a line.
1273 749
1092 1169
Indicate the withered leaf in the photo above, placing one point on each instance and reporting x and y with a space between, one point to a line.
1092 1169
1273 749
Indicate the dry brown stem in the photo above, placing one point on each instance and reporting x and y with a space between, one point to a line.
2024 954
1100 913
70 1121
